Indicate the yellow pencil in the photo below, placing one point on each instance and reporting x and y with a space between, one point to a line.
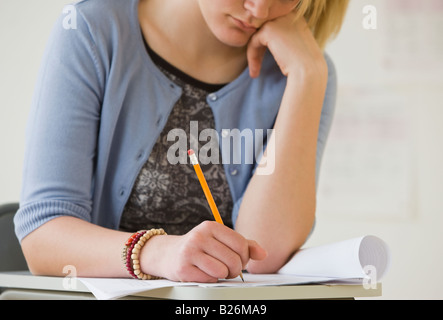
206 190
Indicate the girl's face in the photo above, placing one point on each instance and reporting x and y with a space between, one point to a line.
233 22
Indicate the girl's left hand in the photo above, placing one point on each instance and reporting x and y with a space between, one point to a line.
292 44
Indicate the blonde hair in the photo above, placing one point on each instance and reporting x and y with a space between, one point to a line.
324 17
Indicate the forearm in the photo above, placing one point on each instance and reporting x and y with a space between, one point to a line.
278 209
93 251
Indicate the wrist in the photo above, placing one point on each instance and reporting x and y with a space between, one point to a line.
308 75
154 256
132 253
313 70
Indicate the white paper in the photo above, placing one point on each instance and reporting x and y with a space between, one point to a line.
110 288
262 280
349 259
106 289
345 261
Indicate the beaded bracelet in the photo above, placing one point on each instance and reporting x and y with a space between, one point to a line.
131 252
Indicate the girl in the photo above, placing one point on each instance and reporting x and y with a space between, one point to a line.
113 89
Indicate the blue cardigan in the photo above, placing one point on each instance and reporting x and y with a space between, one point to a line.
101 103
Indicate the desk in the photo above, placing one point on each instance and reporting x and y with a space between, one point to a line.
25 286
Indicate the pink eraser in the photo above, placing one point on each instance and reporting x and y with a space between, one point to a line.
190 152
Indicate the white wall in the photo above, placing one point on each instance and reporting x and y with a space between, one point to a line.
393 71
24 30
391 184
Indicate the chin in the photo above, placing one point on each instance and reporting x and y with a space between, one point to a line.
234 39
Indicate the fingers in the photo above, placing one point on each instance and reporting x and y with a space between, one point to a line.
231 240
256 252
255 53
288 39
212 251
225 262
262 39
192 273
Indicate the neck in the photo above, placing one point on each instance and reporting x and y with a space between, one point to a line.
186 42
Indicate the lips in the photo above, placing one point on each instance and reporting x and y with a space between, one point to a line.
244 25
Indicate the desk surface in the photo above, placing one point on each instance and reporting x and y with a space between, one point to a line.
26 286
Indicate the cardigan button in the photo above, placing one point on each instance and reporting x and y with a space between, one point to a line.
213 97
234 172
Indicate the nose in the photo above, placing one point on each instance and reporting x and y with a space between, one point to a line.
258 8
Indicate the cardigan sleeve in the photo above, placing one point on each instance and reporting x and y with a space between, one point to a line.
327 114
62 129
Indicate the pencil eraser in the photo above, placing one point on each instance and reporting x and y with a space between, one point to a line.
190 152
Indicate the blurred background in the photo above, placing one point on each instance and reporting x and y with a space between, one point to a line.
382 169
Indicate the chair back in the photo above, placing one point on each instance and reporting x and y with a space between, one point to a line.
11 254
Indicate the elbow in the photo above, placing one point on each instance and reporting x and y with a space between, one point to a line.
272 263
38 263
280 252
31 257
260 267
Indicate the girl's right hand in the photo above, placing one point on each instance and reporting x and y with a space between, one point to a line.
208 252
